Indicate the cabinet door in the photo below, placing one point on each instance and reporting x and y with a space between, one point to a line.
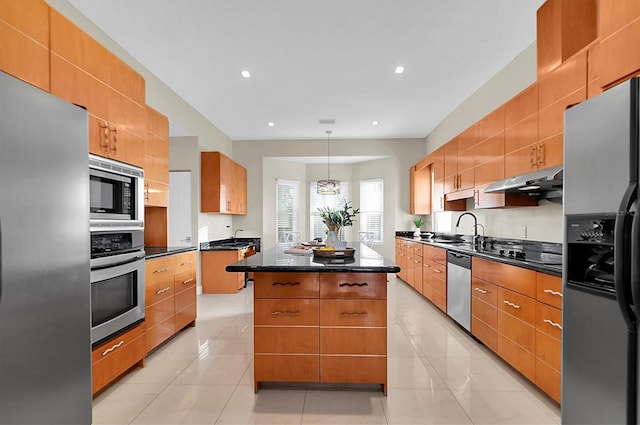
618 56
451 166
420 190
24 41
127 129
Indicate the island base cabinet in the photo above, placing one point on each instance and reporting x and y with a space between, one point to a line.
285 368
320 328
354 369
294 340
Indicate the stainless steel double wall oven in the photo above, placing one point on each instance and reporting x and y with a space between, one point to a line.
117 247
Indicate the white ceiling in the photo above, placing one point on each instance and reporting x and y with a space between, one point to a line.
319 59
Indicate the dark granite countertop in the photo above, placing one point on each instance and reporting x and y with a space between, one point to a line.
466 247
365 260
230 244
161 251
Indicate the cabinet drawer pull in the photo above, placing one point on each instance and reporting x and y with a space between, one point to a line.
511 304
186 263
108 350
355 313
552 323
437 271
286 313
417 261
285 283
162 270
353 284
425 265
160 291
482 291
552 292
187 281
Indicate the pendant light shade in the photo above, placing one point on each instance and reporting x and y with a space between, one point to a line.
328 186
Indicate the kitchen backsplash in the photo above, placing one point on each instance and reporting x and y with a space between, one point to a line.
541 223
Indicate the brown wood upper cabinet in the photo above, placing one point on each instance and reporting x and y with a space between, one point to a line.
564 27
223 184
458 164
24 41
85 73
156 160
420 190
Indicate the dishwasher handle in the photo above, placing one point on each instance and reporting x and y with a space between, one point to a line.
459 259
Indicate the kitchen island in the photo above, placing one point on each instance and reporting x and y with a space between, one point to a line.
319 320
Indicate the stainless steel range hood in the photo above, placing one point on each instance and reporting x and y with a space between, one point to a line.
542 184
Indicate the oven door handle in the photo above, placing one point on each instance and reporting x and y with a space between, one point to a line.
116 260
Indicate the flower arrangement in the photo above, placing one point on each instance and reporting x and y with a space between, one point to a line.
334 219
418 222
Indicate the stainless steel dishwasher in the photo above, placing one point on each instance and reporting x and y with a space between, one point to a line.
459 288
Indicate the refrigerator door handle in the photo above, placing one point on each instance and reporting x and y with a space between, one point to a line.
622 252
635 262
0 261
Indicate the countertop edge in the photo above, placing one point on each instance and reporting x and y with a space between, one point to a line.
555 271
338 268
163 251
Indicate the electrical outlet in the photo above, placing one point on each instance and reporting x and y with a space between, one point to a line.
523 232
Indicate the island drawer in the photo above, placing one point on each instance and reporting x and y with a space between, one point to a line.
286 368
353 285
350 341
353 312
286 285
286 312
276 339
353 369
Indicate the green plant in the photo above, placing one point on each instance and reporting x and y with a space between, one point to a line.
335 219
418 222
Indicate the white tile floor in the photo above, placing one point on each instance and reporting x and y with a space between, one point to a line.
437 375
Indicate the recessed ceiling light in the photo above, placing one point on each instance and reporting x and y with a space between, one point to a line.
374 122
245 74
399 69
270 124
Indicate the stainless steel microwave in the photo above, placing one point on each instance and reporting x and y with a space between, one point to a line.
116 194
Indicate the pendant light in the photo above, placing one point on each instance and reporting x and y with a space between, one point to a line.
329 186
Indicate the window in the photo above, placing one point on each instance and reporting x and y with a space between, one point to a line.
372 208
317 227
286 209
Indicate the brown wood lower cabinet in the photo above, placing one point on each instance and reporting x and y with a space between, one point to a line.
320 327
517 313
215 279
112 358
170 296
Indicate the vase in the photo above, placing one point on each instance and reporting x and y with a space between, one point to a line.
416 233
332 238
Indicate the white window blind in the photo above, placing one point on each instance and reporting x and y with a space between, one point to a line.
372 208
287 205
317 227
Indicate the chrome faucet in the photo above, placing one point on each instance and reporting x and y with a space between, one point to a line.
475 226
236 232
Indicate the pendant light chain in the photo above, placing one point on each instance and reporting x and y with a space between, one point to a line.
329 154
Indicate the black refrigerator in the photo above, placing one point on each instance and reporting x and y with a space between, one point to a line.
601 276
45 293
